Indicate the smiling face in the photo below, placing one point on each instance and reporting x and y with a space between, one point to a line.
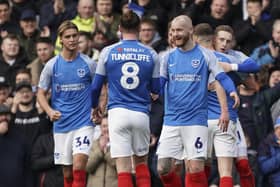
219 8
181 30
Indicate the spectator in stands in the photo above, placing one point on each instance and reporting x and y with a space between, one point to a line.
107 20
269 156
42 162
29 33
149 35
101 167
12 58
29 118
23 75
19 6
14 159
54 12
45 51
85 46
153 10
269 52
4 93
273 80
99 40
221 13
84 19
254 31
6 24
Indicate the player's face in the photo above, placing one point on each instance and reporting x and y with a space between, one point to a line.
44 51
180 33
70 39
4 122
274 78
223 41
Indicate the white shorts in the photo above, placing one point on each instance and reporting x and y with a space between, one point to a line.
74 142
223 142
183 142
129 132
241 141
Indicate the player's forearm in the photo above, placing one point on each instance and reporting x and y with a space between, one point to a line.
43 101
96 87
248 66
226 82
222 98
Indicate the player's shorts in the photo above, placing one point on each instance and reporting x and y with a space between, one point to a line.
74 142
183 142
241 141
129 132
223 142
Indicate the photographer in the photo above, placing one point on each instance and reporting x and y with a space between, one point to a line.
269 53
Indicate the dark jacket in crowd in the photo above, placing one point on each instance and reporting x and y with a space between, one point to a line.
42 162
269 160
262 103
15 168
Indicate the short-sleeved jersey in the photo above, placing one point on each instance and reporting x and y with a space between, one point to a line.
214 108
187 75
130 68
70 83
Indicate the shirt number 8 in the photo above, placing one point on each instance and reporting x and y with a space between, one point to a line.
130 80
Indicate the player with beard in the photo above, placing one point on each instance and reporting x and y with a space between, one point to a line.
184 73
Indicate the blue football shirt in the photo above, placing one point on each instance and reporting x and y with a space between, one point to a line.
70 83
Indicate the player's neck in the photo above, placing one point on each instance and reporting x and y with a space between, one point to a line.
129 36
188 46
69 55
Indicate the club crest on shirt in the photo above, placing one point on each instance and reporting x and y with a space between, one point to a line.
81 72
195 63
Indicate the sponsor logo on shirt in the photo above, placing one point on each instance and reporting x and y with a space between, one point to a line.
185 77
69 87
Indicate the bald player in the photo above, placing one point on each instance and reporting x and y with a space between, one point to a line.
184 74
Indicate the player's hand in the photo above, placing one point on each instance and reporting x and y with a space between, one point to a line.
153 140
154 96
224 121
236 99
226 66
96 115
54 115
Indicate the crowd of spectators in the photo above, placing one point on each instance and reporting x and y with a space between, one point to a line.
28 36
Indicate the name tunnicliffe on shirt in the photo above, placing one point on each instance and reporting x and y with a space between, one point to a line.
131 56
